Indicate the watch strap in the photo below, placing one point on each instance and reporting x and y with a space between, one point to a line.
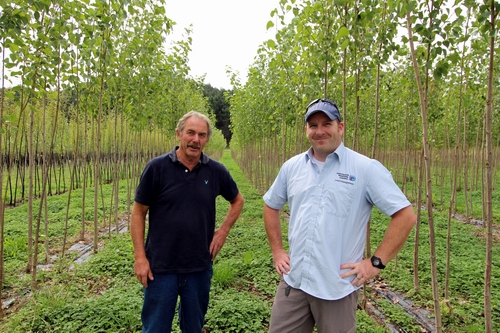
377 262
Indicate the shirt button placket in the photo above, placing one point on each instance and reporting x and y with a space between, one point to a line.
312 226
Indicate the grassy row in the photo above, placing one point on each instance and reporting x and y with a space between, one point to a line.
103 295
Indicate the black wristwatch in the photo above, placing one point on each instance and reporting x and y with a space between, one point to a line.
376 262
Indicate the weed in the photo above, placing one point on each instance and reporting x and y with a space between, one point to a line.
224 274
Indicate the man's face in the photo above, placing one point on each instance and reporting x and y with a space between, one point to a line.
193 138
324 134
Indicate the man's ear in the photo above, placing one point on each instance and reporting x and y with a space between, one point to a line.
341 127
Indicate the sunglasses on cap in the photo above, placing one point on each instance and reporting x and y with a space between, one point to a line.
328 106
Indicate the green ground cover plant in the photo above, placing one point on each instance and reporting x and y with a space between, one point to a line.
15 246
466 281
103 295
398 316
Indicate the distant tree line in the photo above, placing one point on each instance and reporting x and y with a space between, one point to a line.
220 106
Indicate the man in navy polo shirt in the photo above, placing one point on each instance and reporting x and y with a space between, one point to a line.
330 190
179 190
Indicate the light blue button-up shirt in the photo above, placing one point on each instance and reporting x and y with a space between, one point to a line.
329 211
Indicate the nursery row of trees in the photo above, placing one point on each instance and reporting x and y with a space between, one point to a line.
93 94
417 85
89 93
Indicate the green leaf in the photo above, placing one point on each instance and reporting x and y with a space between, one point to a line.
13 47
454 58
343 32
19 42
269 25
411 6
271 44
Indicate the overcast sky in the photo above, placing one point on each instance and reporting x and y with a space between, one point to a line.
225 33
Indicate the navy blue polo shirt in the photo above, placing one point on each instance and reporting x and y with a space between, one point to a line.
182 211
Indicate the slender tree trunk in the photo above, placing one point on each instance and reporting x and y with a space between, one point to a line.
406 150
355 143
30 191
373 155
456 166
116 176
482 171
71 184
325 69
427 156
344 80
453 188
2 162
127 169
98 154
416 283
465 162
45 180
84 163
489 179
377 93
44 158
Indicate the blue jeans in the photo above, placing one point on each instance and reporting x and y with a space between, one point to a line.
160 299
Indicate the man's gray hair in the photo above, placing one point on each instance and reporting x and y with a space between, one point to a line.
182 122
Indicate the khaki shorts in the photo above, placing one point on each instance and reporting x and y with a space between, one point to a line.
294 311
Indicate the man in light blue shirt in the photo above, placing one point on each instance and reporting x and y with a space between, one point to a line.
330 190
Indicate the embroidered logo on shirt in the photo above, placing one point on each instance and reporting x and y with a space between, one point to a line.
345 178
206 182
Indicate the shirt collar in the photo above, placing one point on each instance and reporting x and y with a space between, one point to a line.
339 152
173 156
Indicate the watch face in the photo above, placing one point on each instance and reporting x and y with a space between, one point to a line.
376 262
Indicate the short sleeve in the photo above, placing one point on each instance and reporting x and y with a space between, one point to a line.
383 192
